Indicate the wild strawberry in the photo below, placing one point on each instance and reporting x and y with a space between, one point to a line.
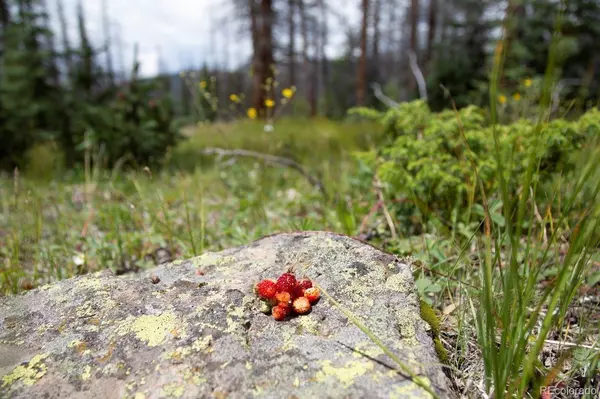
286 283
305 283
302 286
312 294
266 289
283 298
280 312
301 305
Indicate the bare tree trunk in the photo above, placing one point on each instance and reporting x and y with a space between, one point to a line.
323 67
67 50
414 45
361 78
376 39
107 43
308 78
432 22
292 41
261 19
316 70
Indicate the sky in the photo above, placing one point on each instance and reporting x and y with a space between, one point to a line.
176 34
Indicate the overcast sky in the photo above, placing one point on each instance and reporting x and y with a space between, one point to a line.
181 33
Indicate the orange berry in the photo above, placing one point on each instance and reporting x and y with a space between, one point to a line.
301 305
283 298
280 312
312 294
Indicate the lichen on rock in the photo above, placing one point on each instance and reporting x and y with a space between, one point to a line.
199 331
27 374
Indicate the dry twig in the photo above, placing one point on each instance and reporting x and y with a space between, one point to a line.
271 159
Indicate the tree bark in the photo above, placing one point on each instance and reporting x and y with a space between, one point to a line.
324 66
414 45
66 45
292 41
361 78
261 20
309 75
376 66
107 43
432 22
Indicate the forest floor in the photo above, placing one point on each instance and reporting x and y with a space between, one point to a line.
52 228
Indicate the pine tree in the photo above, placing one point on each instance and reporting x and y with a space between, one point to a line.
27 88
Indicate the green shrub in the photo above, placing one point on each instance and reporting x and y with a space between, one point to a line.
427 159
43 161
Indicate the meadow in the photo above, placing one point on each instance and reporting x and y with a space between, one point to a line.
499 277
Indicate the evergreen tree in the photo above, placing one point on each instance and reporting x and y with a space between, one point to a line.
27 88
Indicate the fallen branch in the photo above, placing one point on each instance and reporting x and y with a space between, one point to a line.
414 66
270 159
382 97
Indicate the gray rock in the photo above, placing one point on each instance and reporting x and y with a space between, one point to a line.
198 332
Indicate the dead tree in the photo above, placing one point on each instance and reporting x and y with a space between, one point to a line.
261 23
361 77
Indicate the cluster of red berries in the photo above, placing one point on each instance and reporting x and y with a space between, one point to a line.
287 296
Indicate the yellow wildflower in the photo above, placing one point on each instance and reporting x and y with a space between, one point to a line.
234 98
269 103
288 92
527 82
203 84
252 113
516 96
502 99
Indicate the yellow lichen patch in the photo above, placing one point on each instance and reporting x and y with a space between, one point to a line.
50 287
178 354
43 328
345 374
151 329
172 390
309 324
194 376
398 282
139 395
367 348
85 310
203 344
288 333
359 292
210 259
29 374
87 372
405 321
409 387
90 282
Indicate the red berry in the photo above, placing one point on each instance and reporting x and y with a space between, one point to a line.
312 294
283 298
301 305
266 289
305 283
286 283
280 312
